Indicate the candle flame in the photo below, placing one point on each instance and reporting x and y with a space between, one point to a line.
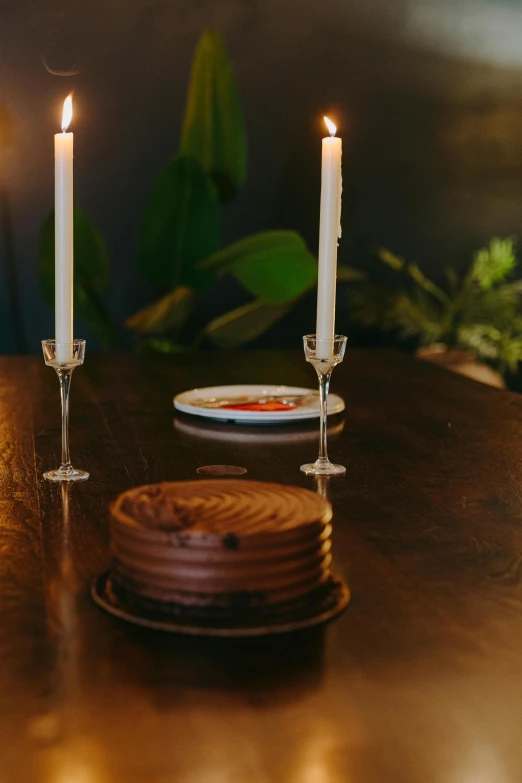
67 113
331 127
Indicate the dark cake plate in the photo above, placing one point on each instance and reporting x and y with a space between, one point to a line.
324 605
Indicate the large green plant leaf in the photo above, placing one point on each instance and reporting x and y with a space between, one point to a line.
181 226
244 324
274 266
168 313
213 127
91 275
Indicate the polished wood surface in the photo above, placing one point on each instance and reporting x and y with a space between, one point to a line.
419 680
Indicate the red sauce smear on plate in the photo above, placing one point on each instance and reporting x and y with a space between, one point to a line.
272 405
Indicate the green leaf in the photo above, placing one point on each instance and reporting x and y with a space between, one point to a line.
410 315
274 266
168 313
390 259
398 264
244 324
369 304
502 349
453 280
496 306
181 226
483 339
494 263
213 126
160 345
91 275
348 273
511 354
418 276
415 315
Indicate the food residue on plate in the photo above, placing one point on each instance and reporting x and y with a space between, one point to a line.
269 405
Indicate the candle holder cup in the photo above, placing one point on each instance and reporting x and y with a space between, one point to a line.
323 355
64 358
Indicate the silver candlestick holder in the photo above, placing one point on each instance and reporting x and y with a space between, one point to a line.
64 358
323 355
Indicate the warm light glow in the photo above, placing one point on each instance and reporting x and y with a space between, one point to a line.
331 127
67 113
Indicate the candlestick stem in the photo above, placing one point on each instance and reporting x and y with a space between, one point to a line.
324 386
64 369
324 368
64 376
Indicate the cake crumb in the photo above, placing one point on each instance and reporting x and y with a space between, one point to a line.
231 541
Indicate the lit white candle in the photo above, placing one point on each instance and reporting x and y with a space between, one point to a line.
329 232
63 237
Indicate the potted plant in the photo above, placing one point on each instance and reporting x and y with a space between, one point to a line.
471 325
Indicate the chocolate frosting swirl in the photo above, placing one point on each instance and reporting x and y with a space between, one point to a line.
221 506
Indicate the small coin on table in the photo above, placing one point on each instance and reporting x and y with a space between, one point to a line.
221 470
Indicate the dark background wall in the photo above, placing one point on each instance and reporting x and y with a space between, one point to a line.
427 94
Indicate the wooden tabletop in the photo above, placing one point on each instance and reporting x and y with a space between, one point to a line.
420 680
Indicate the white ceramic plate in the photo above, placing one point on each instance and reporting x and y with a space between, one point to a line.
196 402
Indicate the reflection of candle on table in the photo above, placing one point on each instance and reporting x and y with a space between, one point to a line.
63 236
329 232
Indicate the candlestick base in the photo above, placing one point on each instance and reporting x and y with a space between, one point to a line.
64 358
66 474
323 467
323 356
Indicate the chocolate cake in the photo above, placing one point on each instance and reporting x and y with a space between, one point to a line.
214 548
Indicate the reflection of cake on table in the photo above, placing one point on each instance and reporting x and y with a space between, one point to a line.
216 548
